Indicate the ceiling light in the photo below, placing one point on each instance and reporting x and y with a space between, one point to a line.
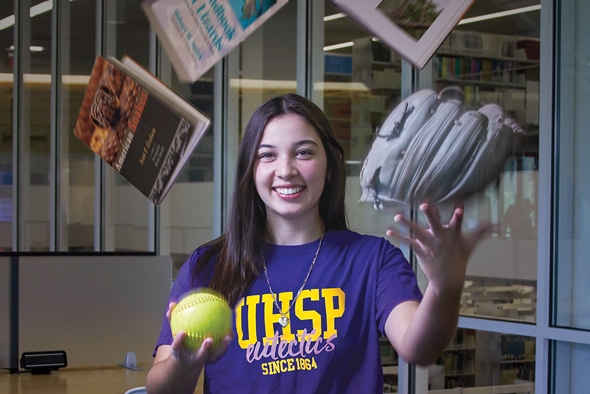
338 46
7 22
332 17
35 10
41 8
32 48
500 14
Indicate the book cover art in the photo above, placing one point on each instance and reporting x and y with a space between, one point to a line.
197 33
130 129
198 121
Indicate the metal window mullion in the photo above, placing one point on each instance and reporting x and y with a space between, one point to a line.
545 204
498 326
16 116
220 146
22 40
304 58
99 165
55 115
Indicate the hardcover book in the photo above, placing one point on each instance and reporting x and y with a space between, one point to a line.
197 33
415 29
137 125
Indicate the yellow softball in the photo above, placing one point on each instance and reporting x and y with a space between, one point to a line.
202 314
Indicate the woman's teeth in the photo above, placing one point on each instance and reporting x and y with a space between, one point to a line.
288 190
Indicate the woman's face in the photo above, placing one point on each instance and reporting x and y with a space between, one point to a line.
290 169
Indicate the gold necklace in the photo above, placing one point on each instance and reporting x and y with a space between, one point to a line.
284 320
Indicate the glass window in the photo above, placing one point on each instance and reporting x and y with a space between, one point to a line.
363 82
572 185
494 362
360 84
6 116
493 66
76 162
571 375
127 219
187 211
34 127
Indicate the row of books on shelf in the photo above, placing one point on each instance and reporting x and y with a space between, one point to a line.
478 69
518 349
458 363
491 45
464 339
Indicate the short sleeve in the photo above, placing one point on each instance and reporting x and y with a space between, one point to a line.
182 285
396 283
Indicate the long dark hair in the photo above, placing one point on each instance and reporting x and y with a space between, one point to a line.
237 251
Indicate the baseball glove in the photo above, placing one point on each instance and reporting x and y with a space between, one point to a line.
430 149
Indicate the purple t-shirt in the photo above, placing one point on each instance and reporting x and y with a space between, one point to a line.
331 344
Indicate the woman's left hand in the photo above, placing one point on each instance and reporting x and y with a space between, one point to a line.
442 250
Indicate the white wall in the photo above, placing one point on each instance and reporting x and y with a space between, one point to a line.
96 308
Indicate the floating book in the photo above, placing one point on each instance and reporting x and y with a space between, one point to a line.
138 125
414 29
197 33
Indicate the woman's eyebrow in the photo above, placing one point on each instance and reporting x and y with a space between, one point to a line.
296 144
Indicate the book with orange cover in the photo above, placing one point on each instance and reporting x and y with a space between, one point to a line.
138 125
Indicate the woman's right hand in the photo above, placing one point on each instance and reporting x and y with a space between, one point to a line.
176 369
207 353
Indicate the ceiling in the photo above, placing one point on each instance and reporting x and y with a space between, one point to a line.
130 19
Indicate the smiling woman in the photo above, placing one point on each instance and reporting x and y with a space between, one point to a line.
290 171
54 196
285 264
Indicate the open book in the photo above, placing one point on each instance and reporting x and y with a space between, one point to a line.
415 33
138 125
196 34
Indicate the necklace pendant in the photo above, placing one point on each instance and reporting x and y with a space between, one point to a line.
283 320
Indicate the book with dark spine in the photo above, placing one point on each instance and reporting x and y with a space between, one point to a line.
137 125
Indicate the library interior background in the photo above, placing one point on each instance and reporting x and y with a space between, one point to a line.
525 312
